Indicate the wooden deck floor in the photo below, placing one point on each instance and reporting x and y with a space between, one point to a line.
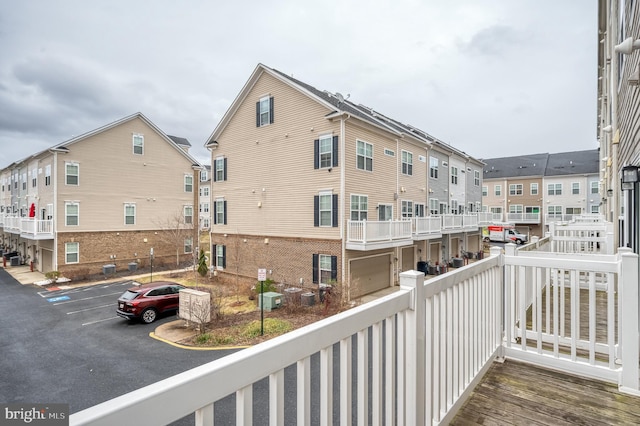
515 393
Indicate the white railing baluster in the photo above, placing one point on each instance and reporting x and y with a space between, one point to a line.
363 376
303 396
276 398
326 386
377 369
389 368
204 416
244 406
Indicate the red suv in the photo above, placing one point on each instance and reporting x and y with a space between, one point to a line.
146 302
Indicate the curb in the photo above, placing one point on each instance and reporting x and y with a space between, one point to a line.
194 348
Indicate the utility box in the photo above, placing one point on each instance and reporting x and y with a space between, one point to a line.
133 266
272 300
194 306
108 269
15 261
308 299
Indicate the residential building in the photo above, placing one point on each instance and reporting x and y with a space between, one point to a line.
530 191
105 197
317 189
618 126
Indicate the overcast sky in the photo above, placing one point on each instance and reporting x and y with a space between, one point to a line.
494 78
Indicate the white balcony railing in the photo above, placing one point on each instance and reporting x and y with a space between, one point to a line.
420 351
523 217
429 225
28 227
364 231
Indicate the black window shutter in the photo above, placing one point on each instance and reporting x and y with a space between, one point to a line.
225 169
224 257
316 154
315 268
334 268
214 255
316 210
334 210
258 114
271 110
224 207
213 169
335 151
215 216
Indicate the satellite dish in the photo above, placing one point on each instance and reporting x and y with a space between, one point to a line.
340 97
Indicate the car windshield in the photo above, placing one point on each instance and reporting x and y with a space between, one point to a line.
129 295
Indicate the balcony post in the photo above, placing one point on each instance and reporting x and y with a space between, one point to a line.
628 300
418 401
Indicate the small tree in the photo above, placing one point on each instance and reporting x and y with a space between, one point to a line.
202 264
175 231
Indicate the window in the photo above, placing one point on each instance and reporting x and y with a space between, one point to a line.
72 173
433 206
325 152
220 211
476 178
554 189
573 210
575 188
533 189
188 245
130 214
554 211
433 167
418 210
220 171
595 187
188 215
497 189
443 208
515 189
407 163
138 144
72 252
204 191
454 175
516 208
72 214
595 209
204 223
264 111
385 212
204 207
454 206
364 156
204 175
389 152
485 190
220 256
325 209
47 175
496 210
325 268
359 207
188 183
34 178
407 208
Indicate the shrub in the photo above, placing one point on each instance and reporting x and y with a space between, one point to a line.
269 285
53 276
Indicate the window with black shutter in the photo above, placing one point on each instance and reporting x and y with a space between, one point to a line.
264 111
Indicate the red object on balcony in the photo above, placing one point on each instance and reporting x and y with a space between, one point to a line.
32 210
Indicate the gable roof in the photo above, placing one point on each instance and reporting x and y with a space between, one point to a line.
335 103
64 146
542 165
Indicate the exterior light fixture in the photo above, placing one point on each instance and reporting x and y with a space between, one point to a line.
609 193
627 46
607 129
630 176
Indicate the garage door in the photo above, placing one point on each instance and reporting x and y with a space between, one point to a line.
369 274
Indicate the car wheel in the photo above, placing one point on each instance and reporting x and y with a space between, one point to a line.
148 315
518 242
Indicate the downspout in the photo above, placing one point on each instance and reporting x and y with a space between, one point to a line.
397 251
55 212
343 188
613 72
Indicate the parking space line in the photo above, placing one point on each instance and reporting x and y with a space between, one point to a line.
86 298
97 321
90 309
47 293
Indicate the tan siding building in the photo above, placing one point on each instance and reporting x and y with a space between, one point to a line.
317 190
106 197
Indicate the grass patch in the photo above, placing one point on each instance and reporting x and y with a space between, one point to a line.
212 339
272 326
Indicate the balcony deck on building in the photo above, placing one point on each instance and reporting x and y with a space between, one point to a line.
522 394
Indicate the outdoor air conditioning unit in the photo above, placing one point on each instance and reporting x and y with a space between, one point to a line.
108 269
15 261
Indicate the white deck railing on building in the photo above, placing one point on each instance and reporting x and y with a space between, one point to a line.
429 225
364 231
422 349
